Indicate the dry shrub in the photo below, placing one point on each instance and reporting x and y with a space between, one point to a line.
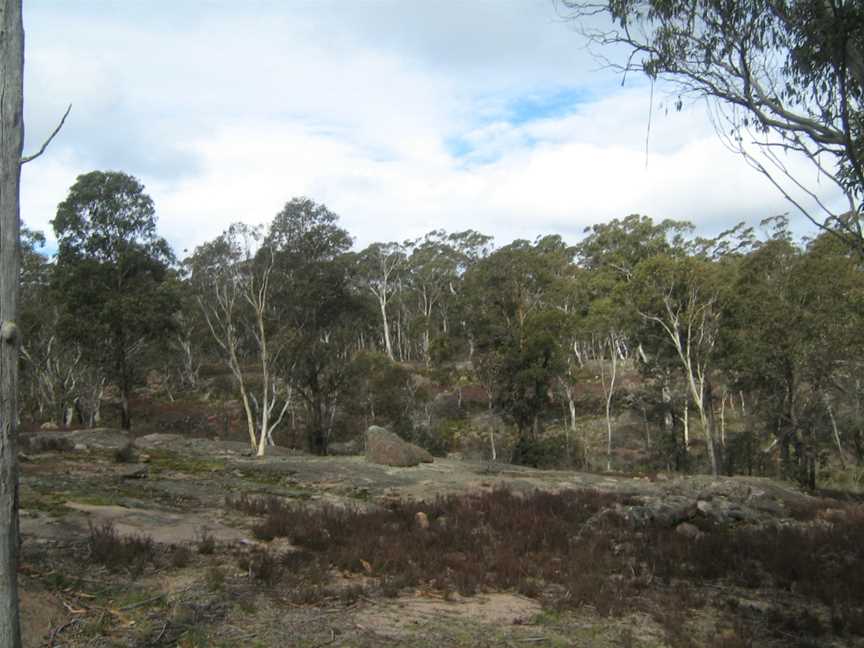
556 545
115 551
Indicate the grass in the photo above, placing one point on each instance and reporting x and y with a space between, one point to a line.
165 460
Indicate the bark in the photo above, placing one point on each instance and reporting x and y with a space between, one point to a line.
125 417
11 140
685 418
835 430
609 390
382 302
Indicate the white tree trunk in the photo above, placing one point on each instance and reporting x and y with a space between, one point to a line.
686 420
382 302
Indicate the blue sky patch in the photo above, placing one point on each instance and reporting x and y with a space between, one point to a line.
545 105
475 147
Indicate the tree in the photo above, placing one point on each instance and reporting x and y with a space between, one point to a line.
112 272
611 253
683 298
517 328
233 281
11 137
380 266
781 77
793 331
323 312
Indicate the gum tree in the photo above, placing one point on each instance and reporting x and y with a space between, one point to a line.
11 142
112 275
781 77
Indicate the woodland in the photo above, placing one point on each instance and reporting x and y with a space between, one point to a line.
604 413
737 354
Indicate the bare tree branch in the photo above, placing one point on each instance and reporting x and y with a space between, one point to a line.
29 158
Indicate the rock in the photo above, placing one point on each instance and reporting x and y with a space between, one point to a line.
101 438
345 448
422 520
384 447
672 514
136 471
48 442
49 426
689 530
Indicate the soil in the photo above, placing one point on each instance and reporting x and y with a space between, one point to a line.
179 497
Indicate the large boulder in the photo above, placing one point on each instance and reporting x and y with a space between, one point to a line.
384 447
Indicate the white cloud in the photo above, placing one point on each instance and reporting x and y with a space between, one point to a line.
226 114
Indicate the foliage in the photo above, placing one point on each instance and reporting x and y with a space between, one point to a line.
517 331
316 299
783 77
793 335
111 275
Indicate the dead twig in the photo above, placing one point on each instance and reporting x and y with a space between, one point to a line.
142 603
161 633
56 631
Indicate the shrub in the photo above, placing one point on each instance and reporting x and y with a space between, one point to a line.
547 452
206 543
181 556
115 551
126 454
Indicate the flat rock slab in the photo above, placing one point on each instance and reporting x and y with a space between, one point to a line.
163 527
401 618
97 438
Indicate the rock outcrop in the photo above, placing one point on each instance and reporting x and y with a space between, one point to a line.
384 447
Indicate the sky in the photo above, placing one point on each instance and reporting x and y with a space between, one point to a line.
402 116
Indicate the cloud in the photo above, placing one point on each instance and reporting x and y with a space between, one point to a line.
402 118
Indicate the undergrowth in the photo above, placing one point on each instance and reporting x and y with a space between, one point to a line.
570 550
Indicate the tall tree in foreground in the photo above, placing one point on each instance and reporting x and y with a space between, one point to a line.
112 271
782 77
11 141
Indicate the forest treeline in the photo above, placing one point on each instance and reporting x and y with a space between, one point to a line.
333 339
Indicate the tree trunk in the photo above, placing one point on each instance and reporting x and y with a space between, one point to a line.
685 419
835 430
387 343
125 418
11 140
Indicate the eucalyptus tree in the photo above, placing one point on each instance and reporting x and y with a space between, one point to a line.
112 275
683 298
782 78
517 328
380 266
793 333
609 256
321 308
233 280
11 143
